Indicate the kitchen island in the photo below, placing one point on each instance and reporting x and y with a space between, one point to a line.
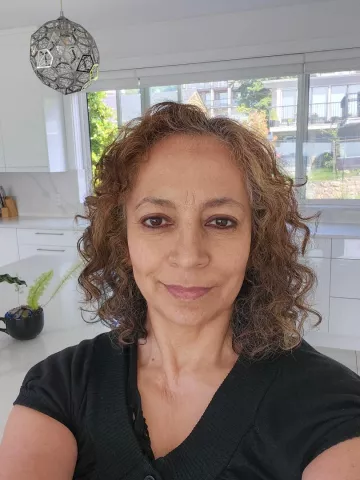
64 325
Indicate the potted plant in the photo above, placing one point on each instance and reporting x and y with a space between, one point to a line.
25 322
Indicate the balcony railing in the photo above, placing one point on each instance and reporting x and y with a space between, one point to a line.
206 85
319 113
220 102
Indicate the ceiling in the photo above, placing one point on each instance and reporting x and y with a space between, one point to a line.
103 13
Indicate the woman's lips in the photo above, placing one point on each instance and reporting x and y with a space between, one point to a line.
187 293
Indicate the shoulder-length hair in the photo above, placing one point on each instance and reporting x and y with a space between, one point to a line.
272 304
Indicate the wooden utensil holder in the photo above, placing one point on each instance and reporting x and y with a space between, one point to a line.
10 209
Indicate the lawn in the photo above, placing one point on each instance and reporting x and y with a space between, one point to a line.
323 174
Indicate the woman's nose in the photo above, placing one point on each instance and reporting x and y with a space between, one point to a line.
190 248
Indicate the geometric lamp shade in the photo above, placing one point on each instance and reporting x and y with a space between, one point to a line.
64 56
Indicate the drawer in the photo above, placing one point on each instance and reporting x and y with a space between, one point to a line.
26 251
64 238
319 247
344 317
345 278
346 248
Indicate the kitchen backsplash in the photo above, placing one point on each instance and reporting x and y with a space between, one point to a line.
44 194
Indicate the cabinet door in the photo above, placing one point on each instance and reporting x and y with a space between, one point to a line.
8 247
319 298
345 278
345 317
2 158
24 107
22 115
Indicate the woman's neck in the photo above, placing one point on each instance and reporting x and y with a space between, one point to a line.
184 349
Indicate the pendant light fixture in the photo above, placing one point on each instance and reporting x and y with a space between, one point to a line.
64 55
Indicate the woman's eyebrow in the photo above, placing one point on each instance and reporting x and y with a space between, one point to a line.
210 203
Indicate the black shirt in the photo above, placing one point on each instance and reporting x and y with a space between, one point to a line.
268 420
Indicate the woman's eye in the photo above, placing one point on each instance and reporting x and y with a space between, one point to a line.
221 223
153 222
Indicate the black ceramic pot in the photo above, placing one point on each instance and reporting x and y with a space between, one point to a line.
22 323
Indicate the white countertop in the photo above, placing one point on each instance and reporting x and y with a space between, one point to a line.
64 325
45 223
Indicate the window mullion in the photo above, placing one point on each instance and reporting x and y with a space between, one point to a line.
302 132
145 99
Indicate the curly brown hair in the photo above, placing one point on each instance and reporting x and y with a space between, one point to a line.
271 306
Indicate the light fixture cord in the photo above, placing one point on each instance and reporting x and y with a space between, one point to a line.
61 8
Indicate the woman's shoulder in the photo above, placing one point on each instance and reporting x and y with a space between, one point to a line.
311 364
308 375
313 404
72 360
58 384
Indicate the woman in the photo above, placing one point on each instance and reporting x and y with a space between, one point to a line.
192 254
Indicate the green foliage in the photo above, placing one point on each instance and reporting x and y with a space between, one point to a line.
7 278
102 128
273 114
69 274
38 288
252 94
328 160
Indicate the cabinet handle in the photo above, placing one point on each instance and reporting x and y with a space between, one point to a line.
40 233
49 250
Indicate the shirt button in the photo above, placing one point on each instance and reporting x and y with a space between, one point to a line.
149 477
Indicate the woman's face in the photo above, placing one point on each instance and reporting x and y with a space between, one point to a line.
177 237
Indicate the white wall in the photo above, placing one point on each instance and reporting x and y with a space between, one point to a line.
39 193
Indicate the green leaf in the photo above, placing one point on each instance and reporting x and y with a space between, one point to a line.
70 273
38 288
7 278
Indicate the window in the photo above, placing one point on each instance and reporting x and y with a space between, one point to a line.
318 108
164 94
206 97
252 102
330 153
107 110
220 98
128 105
354 100
338 92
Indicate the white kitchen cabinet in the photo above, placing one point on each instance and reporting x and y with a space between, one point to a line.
319 298
345 278
31 114
2 158
347 248
319 248
8 247
345 317
40 237
9 296
37 241
26 251
46 242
